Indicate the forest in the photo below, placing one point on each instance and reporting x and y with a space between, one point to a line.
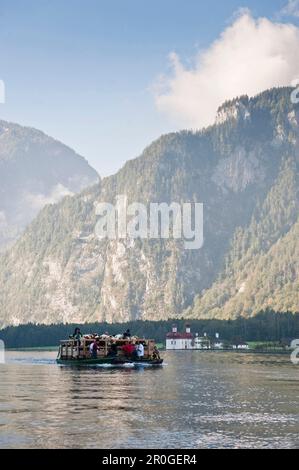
266 326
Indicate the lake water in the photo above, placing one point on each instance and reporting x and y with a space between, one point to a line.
197 400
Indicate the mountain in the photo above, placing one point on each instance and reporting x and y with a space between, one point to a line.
34 170
261 270
245 171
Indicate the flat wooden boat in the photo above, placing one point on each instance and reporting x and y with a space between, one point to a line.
73 352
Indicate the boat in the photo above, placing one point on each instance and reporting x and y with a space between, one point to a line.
110 351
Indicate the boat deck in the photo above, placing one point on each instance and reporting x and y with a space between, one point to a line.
110 351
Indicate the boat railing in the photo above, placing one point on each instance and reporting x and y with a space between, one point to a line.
79 349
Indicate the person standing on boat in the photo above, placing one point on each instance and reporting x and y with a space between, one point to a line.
77 337
93 349
127 334
128 349
135 352
140 351
113 350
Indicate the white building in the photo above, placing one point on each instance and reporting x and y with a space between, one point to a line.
175 340
202 342
186 340
189 341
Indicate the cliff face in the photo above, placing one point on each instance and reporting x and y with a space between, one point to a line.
35 170
245 172
261 269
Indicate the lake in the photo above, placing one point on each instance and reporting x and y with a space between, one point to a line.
196 400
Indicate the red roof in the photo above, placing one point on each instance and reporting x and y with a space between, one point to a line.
179 335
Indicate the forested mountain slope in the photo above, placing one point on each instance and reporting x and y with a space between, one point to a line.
35 170
245 171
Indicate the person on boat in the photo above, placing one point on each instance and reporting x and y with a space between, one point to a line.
156 354
131 349
77 334
93 349
113 350
135 352
125 349
128 349
140 351
127 334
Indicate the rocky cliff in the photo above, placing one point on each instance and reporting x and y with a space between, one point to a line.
244 169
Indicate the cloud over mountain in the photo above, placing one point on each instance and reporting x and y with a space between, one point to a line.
249 56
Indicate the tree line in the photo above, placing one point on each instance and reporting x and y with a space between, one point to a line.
266 326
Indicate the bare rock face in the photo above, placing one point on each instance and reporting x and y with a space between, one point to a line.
233 111
59 271
239 171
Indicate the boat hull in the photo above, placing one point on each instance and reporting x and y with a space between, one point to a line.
109 361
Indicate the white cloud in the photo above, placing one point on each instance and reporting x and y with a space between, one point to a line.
38 201
291 9
249 57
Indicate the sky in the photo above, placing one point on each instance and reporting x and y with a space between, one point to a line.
107 77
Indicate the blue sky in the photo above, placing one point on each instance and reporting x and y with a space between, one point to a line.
83 70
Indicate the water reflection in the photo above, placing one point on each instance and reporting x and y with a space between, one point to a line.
196 400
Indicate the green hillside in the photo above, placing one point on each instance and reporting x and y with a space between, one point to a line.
244 169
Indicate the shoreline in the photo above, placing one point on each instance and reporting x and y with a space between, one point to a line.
238 351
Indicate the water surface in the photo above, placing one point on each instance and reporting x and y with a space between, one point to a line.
197 400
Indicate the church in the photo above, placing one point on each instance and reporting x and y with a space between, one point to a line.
186 340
